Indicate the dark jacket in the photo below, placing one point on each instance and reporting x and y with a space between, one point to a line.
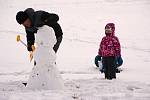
38 19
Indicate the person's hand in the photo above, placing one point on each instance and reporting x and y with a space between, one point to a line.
31 48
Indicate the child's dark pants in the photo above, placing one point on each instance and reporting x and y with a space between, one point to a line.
109 67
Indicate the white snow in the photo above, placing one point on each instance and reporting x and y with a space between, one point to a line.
83 23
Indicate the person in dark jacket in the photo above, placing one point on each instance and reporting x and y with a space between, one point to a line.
31 20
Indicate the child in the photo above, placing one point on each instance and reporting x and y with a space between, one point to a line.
109 50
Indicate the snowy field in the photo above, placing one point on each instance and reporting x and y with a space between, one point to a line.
83 23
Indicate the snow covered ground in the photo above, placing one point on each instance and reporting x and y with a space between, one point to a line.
83 24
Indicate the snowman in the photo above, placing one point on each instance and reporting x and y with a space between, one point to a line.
45 75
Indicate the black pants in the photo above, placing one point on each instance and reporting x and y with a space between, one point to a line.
56 46
109 67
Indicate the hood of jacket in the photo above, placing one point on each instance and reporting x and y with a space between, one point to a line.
112 26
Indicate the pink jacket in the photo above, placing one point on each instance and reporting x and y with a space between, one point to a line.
110 45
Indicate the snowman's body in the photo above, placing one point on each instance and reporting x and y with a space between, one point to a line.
45 74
